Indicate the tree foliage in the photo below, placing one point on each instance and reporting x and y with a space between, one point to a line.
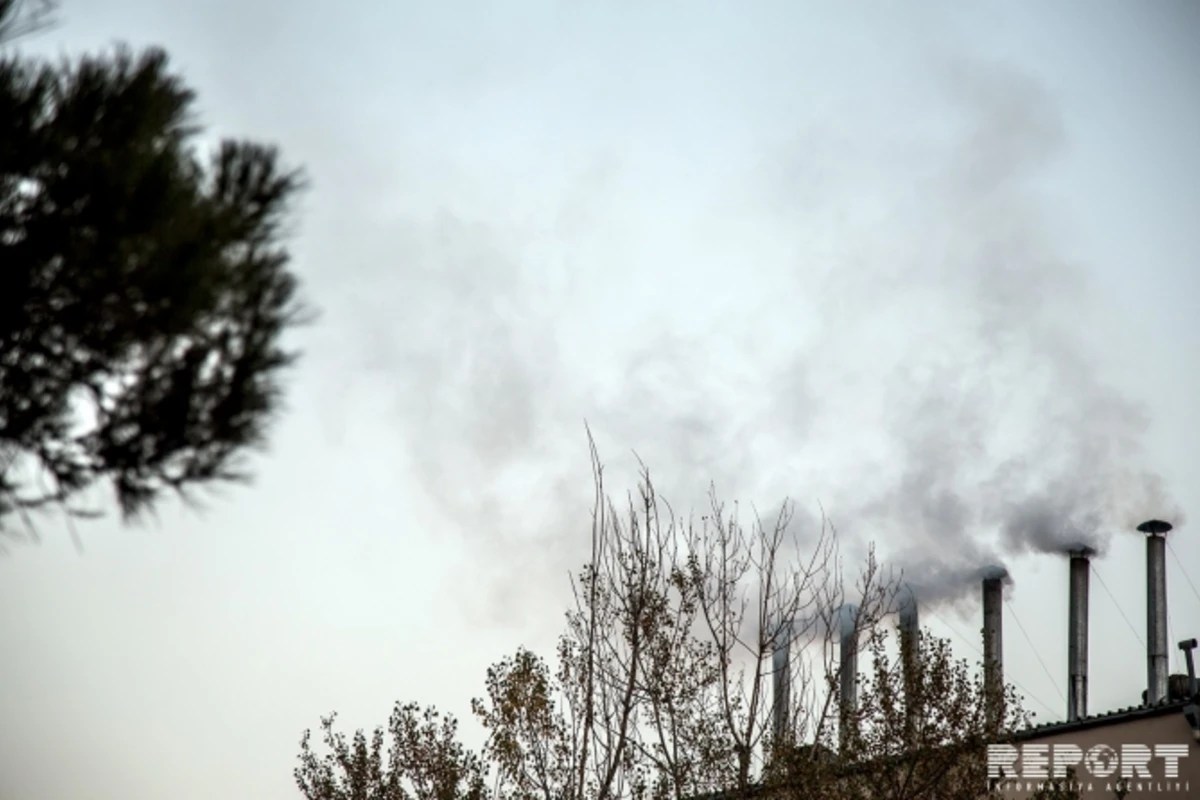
144 285
21 17
918 736
660 688
424 762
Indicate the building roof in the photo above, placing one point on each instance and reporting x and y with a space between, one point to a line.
1107 718
1117 716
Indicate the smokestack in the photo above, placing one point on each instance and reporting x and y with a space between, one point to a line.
848 620
910 632
1156 609
993 645
781 661
1077 633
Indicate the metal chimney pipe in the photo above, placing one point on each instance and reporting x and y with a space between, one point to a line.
906 607
1077 633
1187 646
1156 609
993 645
910 644
848 623
781 662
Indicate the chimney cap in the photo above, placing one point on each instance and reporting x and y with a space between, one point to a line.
1080 550
996 572
1154 526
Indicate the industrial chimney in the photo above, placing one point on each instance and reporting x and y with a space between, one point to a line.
848 674
1156 609
781 662
910 647
1077 633
993 645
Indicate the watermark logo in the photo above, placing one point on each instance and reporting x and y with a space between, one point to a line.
1138 767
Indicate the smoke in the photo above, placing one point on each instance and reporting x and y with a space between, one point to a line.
951 583
941 400
1007 441
463 345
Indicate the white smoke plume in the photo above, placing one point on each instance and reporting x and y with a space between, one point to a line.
925 379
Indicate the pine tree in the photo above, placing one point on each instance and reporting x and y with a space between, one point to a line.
144 288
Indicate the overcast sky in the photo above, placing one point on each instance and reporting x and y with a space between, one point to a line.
933 267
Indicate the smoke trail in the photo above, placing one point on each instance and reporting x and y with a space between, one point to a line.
466 349
1004 433
943 404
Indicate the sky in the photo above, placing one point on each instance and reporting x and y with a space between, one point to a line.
929 267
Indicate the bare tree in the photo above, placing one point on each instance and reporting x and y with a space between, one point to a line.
757 593
589 730
661 683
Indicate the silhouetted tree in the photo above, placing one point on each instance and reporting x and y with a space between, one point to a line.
144 286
